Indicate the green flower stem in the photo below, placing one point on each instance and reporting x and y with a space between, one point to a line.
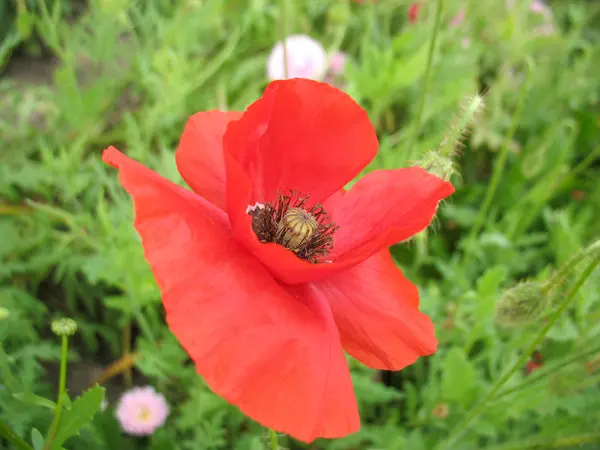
339 34
436 27
285 28
128 373
463 426
11 437
367 35
61 392
273 440
570 265
545 370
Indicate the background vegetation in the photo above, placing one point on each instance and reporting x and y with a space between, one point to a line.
78 77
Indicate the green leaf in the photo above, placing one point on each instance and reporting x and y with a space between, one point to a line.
372 392
161 440
564 330
82 412
408 70
13 438
489 283
109 431
25 21
28 397
37 439
458 376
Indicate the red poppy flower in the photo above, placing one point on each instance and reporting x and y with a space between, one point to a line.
535 363
532 366
413 12
265 286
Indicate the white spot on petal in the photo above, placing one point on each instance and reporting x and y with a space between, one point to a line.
254 207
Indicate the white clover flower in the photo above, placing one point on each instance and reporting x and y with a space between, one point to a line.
306 58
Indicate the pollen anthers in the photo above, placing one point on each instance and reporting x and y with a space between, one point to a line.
290 222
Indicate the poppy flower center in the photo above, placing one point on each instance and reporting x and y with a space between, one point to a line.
306 231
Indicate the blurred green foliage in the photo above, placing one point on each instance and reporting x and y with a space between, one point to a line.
130 73
17 24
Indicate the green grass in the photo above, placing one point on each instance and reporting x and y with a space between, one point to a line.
130 73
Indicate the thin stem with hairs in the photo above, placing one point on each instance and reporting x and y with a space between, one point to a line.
285 29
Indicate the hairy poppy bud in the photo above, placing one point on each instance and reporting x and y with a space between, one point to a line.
4 313
521 305
439 165
296 228
64 327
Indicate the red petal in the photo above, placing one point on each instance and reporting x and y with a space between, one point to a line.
377 312
301 135
385 207
273 352
382 209
200 154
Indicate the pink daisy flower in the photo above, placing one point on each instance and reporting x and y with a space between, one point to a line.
458 19
337 63
141 411
540 8
306 58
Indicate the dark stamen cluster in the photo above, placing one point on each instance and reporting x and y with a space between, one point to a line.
269 222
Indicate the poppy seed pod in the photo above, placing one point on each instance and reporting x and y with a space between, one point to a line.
520 305
64 327
296 228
